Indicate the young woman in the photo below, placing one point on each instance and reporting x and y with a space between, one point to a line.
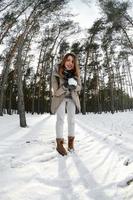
66 86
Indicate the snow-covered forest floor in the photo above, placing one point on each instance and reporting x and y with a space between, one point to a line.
100 169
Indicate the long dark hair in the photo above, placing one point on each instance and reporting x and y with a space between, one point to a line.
76 65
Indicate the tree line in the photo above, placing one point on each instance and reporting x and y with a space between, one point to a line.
35 35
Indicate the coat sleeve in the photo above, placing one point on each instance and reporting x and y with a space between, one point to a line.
78 87
57 90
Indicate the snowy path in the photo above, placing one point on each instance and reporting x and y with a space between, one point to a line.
31 169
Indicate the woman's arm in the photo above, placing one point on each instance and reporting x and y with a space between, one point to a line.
78 87
55 85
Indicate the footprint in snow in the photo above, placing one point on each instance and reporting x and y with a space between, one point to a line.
127 162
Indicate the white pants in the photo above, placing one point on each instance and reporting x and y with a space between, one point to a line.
69 104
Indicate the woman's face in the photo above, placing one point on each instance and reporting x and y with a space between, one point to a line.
69 64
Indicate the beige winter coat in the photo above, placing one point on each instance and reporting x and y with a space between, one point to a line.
59 92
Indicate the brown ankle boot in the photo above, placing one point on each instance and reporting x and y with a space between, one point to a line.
60 148
71 143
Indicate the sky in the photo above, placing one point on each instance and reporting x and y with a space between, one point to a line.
86 14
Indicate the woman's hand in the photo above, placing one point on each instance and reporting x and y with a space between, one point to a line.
72 83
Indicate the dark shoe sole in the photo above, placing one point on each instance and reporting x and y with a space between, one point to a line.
61 153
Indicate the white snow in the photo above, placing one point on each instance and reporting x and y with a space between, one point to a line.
101 168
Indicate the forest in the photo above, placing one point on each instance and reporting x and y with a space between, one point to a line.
35 35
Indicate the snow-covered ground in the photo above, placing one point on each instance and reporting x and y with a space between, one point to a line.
100 169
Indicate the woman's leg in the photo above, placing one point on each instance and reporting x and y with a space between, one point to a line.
60 119
71 108
59 128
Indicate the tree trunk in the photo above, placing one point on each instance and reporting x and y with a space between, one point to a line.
34 84
110 84
3 87
10 101
5 72
84 87
99 91
51 71
21 106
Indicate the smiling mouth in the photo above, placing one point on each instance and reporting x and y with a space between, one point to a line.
69 67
